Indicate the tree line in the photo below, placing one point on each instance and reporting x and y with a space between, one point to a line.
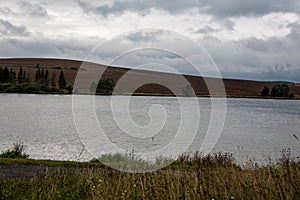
104 86
278 90
19 82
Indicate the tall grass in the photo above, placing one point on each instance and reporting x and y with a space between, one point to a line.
190 177
18 151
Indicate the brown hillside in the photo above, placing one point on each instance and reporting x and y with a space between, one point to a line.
70 67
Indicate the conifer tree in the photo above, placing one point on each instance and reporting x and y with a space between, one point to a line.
20 76
62 81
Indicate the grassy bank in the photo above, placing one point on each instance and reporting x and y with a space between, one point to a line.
210 177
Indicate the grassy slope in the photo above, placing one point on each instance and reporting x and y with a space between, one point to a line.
208 179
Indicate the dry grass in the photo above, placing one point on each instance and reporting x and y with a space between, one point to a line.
211 177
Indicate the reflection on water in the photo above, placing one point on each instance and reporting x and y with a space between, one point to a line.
254 129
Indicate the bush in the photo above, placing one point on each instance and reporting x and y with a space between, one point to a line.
265 92
4 86
291 95
16 152
280 90
26 88
69 88
105 86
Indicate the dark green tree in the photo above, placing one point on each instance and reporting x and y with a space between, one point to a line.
6 75
105 86
42 76
53 80
46 78
69 88
291 95
265 92
280 90
62 81
37 76
20 76
1 75
12 76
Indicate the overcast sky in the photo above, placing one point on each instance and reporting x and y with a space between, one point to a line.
247 39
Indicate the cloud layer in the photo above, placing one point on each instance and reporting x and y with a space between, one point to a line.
247 39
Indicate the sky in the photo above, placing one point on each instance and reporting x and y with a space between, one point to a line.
257 40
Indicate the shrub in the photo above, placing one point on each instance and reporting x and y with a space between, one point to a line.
265 92
291 95
69 88
105 86
4 86
280 90
16 152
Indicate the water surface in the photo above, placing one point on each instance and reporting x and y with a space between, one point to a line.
256 129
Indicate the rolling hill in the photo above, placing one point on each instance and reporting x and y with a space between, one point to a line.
234 87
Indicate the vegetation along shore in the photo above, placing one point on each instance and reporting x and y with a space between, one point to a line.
215 176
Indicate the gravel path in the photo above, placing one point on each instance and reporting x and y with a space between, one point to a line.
32 171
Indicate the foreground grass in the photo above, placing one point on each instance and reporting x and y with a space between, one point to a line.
213 177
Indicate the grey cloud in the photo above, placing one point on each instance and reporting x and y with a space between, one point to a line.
33 9
6 10
231 8
144 36
8 29
227 23
207 30
276 58
142 7
219 9
40 46
282 73
21 48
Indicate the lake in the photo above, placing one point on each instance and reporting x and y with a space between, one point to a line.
256 129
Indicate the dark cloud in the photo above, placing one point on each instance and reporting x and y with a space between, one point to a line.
8 29
143 36
219 9
207 30
142 7
227 23
232 8
40 46
276 73
275 58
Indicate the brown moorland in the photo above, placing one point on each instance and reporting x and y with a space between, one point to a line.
233 87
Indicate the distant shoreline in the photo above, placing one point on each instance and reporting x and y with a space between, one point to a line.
164 95
234 88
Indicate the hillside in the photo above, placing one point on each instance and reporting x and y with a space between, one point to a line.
70 68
